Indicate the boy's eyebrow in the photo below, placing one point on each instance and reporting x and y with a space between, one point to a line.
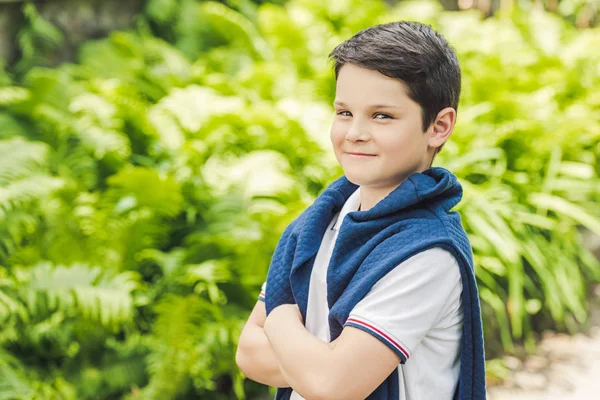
342 104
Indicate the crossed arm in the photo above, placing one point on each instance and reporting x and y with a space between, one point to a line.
278 351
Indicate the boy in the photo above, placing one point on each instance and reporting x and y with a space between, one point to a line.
371 291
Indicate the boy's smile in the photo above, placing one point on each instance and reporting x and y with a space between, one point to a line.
359 155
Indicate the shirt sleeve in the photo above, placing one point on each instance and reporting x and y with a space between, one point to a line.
263 292
420 294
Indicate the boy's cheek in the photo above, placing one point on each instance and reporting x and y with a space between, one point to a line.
337 134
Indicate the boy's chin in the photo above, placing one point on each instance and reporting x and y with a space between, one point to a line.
372 182
358 179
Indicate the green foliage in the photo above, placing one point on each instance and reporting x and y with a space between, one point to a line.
144 188
37 39
526 151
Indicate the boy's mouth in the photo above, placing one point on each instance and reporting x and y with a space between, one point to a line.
361 154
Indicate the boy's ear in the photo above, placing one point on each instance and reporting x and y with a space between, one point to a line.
442 127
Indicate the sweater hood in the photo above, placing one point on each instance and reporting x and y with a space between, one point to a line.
434 186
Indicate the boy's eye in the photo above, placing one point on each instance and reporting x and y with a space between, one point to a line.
378 115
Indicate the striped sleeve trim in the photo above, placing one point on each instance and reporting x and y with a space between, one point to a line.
378 333
263 292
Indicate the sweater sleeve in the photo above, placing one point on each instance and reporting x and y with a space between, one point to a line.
420 294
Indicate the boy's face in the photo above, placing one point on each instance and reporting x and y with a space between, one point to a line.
375 116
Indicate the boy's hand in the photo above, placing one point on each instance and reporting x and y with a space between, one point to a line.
281 315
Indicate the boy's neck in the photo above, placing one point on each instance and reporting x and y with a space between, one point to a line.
369 197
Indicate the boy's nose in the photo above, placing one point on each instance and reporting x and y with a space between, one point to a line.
357 132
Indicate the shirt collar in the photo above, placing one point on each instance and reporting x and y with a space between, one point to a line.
350 205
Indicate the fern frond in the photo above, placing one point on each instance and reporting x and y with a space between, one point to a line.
132 110
11 307
13 382
144 188
13 95
193 105
205 277
161 11
36 38
79 289
125 362
168 262
18 382
236 27
20 158
42 28
10 127
121 367
23 174
95 110
21 192
101 142
176 330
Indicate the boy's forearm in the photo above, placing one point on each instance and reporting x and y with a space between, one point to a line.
256 358
303 357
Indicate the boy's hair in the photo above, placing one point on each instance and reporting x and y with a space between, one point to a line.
413 53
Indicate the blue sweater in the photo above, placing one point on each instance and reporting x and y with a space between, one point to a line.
414 217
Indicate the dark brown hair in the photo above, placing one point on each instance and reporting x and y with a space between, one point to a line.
411 52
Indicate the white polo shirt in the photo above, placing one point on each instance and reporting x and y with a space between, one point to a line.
415 308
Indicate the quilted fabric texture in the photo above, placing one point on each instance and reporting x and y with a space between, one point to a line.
414 217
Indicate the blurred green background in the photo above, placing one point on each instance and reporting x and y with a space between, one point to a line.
152 152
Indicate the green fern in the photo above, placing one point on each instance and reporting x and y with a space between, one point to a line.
162 11
144 189
24 184
20 158
37 37
5 79
177 330
35 188
120 368
13 382
10 127
95 295
236 27
13 95
18 383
